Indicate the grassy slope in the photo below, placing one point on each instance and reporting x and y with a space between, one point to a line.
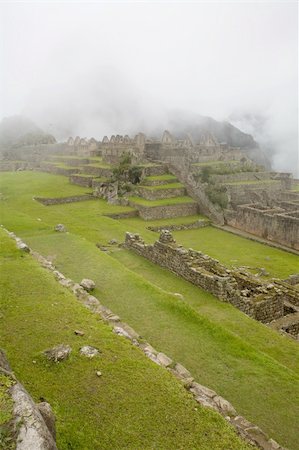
135 404
240 358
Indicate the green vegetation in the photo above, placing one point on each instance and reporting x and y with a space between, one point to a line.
217 194
134 404
7 438
162 202
252 366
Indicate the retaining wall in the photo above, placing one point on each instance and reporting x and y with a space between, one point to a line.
255 298
61 200
165 212
158 194
282 228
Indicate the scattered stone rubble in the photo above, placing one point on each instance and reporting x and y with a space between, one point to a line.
33 424
204 396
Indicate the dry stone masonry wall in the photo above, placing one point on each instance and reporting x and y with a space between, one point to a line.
257 299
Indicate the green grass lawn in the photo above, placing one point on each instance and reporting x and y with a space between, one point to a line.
134 404
250 365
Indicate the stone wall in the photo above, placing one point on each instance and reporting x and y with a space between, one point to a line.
167 211
241 194
158 194
278 227
196 190
257 299
61 200
240 176
180 226
97 171
52 168
81 180
12 166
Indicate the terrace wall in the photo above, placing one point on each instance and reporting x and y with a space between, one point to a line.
61 200
282 227
257 299
158 194
166 211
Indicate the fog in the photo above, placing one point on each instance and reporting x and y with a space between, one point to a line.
121 67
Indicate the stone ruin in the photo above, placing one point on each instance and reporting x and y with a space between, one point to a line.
261 300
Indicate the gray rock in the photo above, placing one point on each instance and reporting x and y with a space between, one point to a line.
164 360
59 353
60 228
113 241
182 372
121 332
48 416
224 406
89 351
88 284
198 389
22 246
79 333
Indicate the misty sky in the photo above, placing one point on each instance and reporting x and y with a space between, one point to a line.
116 67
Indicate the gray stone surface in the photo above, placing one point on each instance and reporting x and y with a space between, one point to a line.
88 284
89 351
59 353
60 228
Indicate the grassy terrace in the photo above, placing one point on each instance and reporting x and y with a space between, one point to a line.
165 177
235 251
246 362
107 412
85 175
100 164
163 202
163 186
216 163
253 182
